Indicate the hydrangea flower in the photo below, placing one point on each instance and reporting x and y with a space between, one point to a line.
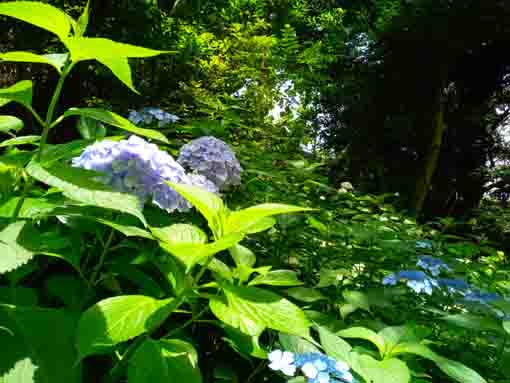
432 264
316 367
203 182
282 361
213 159
424 244
137 167
416 280
149 115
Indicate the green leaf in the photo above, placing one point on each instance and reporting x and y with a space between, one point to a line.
13 253
366 334
357 299
114 119
120 68
386 371
208 204
39 14
166 360
244 219
394 335
296 344
92 48
118 319
453 369
83 21
251 310
180 233
334 346
261 225
20 92
23 140
18 296
80 185
127 230
19 56
243 344
91 129
192 253
506 326
277 278
242 256
458 371
305 294
473 322
36 352
8 123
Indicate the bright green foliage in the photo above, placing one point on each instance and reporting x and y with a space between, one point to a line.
118 319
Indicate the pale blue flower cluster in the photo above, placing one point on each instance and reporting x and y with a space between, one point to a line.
316 367
416 280
212 158
137 167
424 244
454 286
150 115
432 264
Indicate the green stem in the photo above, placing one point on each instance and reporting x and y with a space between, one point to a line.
51 108
117 370
106 248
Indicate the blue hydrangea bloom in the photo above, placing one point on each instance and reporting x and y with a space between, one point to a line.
416 280
149 115
424 244
432 264
213 159
316 367
458 286
137 167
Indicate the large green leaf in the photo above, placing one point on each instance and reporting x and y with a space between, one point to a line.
251 310
40 348
244 220
20 92
13 254
79 184
166 360
118 319
243 256
296 344
453 369
334 346
277 278
386 371
83 21
92 48
39 14
474 322
114 119
366 334
8 123
192 253
19 56
120 68
180 233
22 140
207 203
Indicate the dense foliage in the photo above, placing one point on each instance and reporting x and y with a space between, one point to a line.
254 191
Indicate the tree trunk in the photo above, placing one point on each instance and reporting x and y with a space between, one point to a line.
429 165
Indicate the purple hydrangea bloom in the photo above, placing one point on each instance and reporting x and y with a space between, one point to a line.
432 264
137 167
213 159
149 115
416 280
201 181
